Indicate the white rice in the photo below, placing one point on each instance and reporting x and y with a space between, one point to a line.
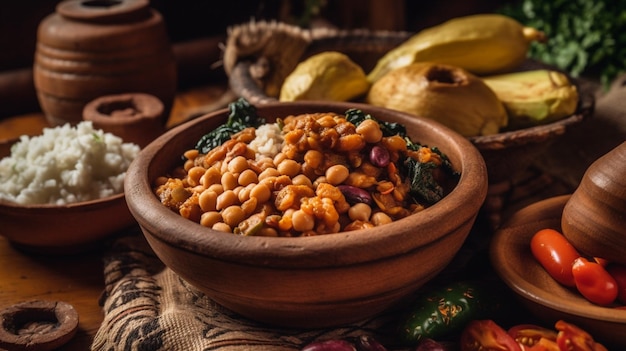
65 164
268 141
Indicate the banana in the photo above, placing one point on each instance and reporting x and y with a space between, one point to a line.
534 97
481 44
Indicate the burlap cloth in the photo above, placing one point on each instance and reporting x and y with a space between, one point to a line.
148 307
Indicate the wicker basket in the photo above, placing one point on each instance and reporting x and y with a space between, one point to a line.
507 154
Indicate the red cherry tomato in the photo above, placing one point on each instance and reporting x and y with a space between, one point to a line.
572 338
618 272
486 335
555 254
594 282
534 338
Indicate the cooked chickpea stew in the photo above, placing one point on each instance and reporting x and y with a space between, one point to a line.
304 175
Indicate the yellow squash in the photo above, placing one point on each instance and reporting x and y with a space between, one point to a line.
447 94
534 97
329 75
481 44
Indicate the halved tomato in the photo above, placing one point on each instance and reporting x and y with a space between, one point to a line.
486 335
572 338
534 338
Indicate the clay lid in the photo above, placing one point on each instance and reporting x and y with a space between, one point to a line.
103 11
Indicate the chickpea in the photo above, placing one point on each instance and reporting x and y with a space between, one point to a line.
226 199
261 192
194 174
313 158
233 215
269 172
337 174
208 200
208 219
319 180
351 142
246 177
302 221
222 227
267 231
211 176
285 223
370 130
160 181
238 164
360 212
249 206
188 165
191 154
327 121
301 179
229 181
289 168
217 188
280 157
244 193
380 218
394 143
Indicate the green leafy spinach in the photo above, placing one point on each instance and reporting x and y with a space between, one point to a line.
241 116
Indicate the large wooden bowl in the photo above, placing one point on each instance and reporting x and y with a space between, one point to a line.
539 292
317 281
62 229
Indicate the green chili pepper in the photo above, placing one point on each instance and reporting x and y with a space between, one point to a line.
440 311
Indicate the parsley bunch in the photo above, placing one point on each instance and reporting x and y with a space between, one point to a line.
584 37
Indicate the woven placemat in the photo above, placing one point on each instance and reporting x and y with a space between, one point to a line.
149 307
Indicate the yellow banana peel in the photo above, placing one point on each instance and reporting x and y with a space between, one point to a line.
482 44
329 75
534 97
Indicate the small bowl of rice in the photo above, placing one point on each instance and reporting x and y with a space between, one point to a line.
63 191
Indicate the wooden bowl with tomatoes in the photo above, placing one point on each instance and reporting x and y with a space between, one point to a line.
603 317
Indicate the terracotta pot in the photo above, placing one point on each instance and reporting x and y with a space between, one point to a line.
89 48
316 281
593 219
134 117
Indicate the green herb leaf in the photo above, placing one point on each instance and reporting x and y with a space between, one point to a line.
241 116
584 37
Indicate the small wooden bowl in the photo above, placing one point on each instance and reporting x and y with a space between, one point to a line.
317 281
541 294
62 229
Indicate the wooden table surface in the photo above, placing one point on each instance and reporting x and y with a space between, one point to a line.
76 279
79 279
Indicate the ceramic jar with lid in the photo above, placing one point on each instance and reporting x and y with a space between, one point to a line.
91 48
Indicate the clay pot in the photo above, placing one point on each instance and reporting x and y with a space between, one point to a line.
316 281
134 117
594 218
91 48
